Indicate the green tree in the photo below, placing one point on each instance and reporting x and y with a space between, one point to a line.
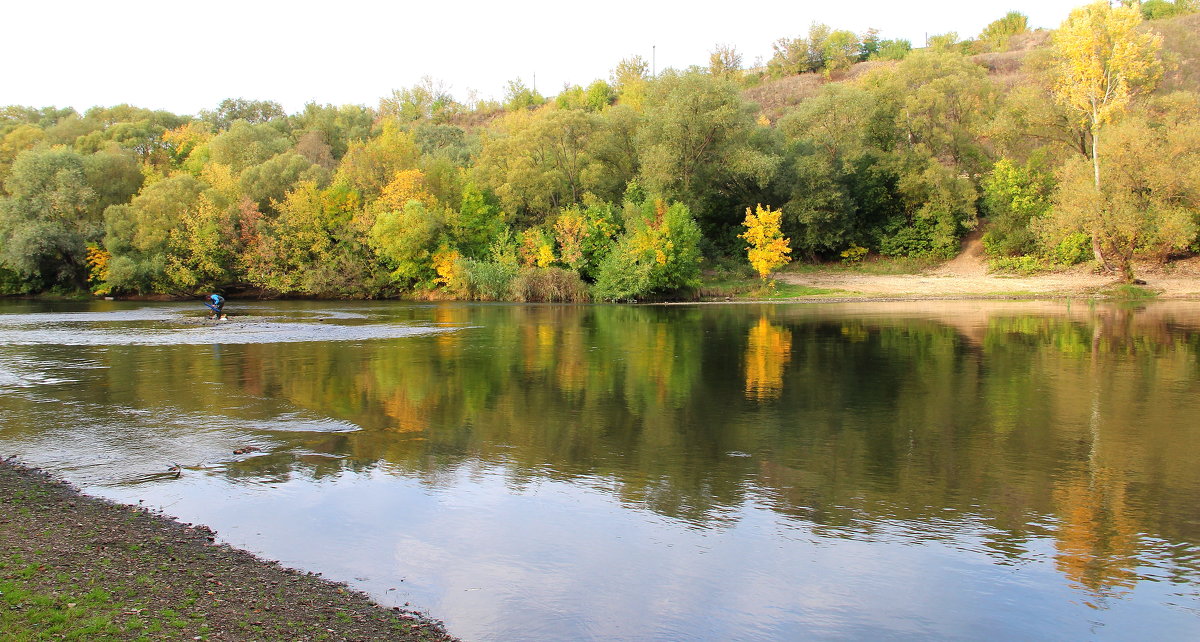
517 96
232 110
19 138
838 184
1160 9
942 101
614 146
480 222
138 235
536 161
47 221
407 240
114 176
697 146
272 179
1013 197
244 145
426 100
841 49
338 125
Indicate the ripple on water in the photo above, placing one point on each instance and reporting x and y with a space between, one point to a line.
230 332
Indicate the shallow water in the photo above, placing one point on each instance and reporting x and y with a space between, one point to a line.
956 470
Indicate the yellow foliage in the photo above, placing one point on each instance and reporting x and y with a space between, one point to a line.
854 253
1104 61
569 231
222 179
97 262
767 248
768 351
188 136
450 272
545 255
406 185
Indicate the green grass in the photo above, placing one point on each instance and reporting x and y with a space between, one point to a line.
1130 292
733 286
879 265
33 609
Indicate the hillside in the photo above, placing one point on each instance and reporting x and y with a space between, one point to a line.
1181 52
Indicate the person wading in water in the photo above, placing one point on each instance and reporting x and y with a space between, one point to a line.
216 303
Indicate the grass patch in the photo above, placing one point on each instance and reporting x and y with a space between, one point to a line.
729 286
32 613
1130 292
876 265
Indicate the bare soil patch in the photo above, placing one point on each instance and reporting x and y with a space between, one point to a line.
967 276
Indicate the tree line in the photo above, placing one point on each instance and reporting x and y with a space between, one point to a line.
625 188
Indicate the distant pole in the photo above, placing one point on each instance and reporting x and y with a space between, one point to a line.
535 82
654 61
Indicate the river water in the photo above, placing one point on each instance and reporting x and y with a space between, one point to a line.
966 470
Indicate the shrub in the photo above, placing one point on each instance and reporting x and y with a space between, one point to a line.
549 285
489 280
658 253
1074 248
853 254
1027 264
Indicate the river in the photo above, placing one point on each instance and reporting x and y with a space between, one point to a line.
967 470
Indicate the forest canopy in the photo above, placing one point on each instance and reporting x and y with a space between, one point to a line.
1081 144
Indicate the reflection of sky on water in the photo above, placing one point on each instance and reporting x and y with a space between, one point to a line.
504 564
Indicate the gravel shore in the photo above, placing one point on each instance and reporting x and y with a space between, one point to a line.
78 567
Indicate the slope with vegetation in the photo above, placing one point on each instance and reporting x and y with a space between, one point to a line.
624 188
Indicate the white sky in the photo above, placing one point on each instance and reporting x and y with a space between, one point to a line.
184 57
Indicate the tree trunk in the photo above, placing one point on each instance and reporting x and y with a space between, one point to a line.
1097 250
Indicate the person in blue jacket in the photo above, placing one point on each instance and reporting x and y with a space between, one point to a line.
216 303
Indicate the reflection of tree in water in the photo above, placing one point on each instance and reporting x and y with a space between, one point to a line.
768 349
1097 535
880 418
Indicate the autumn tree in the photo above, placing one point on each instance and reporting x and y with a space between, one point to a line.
630 79
1150 193
767 249
1103 62
657 253
998 33
725 61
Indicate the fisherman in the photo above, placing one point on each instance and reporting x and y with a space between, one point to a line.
216 303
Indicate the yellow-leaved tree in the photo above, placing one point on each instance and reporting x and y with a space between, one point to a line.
767 248
1103 62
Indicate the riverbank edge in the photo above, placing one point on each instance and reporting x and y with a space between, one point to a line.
77 566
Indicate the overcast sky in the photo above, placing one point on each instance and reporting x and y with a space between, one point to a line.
188 56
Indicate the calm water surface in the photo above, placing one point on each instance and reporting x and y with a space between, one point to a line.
956 470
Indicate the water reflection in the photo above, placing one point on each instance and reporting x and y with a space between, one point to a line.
874 443
768 350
